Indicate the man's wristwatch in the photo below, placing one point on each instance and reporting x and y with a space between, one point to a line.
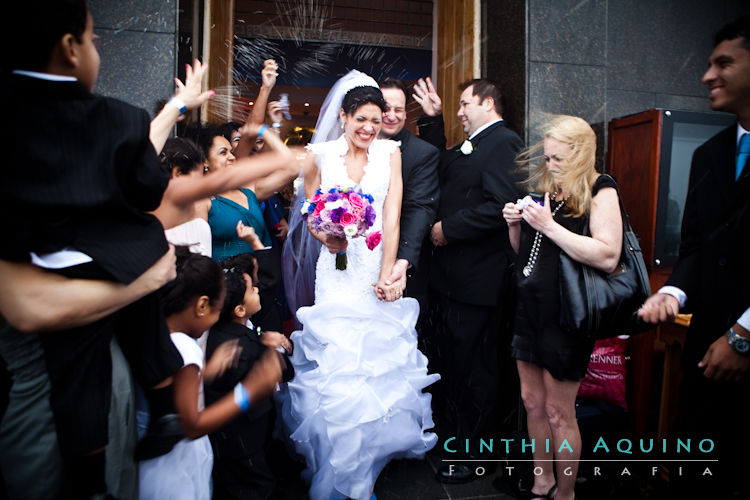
740 344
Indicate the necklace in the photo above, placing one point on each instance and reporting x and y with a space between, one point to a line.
529 267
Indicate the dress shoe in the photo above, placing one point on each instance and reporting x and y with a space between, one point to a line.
455 474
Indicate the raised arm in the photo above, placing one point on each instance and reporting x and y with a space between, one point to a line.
259 383
32 299
268 79
188 94
280 162
265 187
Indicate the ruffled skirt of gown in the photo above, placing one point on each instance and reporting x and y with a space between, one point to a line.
356 401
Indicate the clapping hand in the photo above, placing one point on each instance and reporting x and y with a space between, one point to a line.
427 97
190 92
226 355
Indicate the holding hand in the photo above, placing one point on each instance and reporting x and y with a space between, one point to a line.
427 97
388 293
334 244
269 73
512 214
275 110
538 216
659 308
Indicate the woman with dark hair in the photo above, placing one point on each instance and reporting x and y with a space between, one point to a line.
551 362
356 401
182 211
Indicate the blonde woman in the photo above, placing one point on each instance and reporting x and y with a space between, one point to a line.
570 194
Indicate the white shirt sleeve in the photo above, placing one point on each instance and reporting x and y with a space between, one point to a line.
744 320
676 293
189 349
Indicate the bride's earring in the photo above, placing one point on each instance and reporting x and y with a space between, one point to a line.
342 125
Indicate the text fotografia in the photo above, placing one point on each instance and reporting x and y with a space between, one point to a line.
602 447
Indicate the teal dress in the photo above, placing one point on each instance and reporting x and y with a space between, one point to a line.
223 218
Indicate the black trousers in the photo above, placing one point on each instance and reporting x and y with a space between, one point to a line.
243 478
464 350
717 411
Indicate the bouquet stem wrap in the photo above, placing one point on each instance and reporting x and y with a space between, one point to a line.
341 261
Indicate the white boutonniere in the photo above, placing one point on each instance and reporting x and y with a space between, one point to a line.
466 148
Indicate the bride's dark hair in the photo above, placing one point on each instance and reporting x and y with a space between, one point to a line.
359 96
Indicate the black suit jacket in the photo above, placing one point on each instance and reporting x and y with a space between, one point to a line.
247 433
473 267
419 162
81 172
713 268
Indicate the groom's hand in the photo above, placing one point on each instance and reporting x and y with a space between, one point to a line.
398 274
436 235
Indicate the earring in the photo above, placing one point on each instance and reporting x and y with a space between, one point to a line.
205 169
200 314
342 125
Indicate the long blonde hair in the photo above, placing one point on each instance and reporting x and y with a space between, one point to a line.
578 173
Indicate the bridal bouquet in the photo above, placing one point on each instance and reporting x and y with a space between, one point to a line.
342 212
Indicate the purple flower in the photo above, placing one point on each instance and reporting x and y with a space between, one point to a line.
336 214
369 215
333 197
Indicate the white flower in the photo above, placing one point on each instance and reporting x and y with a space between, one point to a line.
305 207
297 183
331 205
466 148
350 230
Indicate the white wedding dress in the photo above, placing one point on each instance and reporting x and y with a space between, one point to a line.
356 401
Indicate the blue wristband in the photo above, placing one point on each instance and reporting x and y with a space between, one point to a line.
241 397
262 129
179 104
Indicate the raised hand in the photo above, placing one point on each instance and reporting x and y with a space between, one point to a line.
264 375
275 111
190 92
273 340
269 73
427 97
248 235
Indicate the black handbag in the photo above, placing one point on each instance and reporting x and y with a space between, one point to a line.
597 305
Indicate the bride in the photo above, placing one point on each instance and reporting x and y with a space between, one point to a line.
356 401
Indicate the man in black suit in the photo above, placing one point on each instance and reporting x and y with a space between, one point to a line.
471 261
711 276
419 161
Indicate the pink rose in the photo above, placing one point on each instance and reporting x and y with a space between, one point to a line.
317 198
325 214
356 201
373 239
347 218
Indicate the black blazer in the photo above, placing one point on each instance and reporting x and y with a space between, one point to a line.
419 163
81 172
713 268
473 266
246 433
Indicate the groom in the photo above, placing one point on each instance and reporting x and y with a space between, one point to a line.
419 161
470 273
